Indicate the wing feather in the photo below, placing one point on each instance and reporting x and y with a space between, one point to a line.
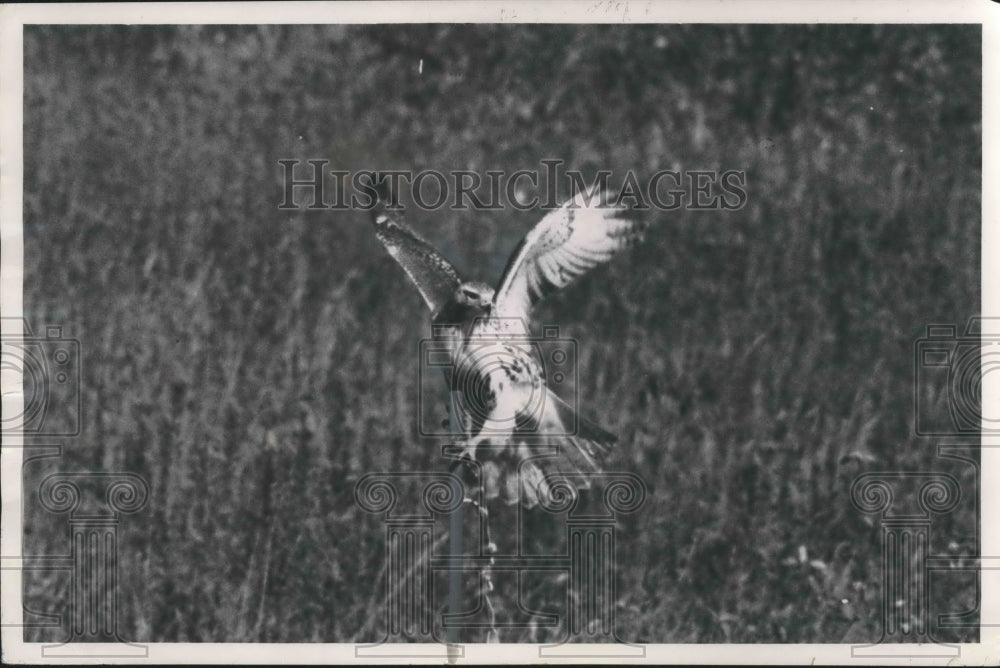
563 246
429 271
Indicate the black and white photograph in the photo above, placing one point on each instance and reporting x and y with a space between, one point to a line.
398 332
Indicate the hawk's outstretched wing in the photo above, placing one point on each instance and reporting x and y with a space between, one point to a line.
565 244
434 276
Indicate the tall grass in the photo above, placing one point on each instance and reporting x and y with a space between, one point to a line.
253 363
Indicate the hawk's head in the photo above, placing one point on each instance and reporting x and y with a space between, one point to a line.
469 302
474 294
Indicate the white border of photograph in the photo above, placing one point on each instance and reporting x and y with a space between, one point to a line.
14 17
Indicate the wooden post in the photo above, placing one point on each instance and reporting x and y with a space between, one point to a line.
455 530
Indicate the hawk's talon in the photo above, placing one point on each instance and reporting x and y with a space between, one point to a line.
468 462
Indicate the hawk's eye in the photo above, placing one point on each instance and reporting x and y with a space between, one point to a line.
471 294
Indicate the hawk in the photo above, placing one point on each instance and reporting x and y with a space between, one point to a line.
525 436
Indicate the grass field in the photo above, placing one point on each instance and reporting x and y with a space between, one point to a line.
252 364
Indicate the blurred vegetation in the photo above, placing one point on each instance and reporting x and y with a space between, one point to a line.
253 363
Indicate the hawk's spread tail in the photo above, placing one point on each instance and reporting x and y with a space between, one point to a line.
526 470
532 474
